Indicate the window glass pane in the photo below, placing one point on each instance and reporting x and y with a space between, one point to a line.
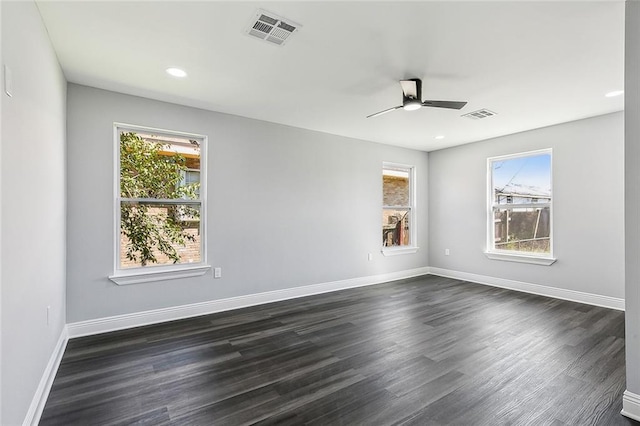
395 227
192 178
395 188
522 180
522 229
159 234
156 166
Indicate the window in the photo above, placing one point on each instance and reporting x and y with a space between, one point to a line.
159 205
398 209
520 199
192 177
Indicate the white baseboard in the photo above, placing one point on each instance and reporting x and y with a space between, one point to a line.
44 387
120 322
631 405
558 293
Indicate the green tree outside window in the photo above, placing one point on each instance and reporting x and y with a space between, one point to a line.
149 171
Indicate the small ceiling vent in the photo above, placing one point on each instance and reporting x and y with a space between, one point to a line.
479 114
270 27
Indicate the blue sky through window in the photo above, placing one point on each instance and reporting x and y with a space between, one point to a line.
532 171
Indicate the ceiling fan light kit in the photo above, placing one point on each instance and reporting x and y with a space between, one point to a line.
411 104
412 99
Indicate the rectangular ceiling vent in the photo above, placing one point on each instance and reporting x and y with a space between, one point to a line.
270 27
479 114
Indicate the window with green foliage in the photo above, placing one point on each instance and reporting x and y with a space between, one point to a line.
160 209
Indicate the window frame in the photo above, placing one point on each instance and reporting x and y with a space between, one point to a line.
491 252
122 276
412 207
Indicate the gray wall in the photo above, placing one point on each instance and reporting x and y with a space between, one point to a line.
588 185
33 207
632 194
1 143
287 207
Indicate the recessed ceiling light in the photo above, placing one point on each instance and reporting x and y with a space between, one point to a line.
176 72
439 137
614 93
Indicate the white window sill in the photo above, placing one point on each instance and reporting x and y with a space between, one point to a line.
522 258
144 276
399 250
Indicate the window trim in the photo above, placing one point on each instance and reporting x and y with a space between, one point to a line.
157 272
413 231
517 256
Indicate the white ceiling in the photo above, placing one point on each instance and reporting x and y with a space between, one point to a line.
533 63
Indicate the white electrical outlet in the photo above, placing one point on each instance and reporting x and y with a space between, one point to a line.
446 252
217 272
369 257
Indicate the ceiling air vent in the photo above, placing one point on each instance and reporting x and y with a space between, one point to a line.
477 115
270 27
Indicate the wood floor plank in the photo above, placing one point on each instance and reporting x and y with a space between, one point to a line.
427 351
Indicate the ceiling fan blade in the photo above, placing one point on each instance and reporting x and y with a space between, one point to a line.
384 112
444 104
411 88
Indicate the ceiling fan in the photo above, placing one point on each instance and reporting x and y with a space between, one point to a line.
412 99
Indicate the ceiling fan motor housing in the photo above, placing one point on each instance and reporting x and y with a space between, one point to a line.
411 104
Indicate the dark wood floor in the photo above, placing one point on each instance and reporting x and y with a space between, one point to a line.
426 351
